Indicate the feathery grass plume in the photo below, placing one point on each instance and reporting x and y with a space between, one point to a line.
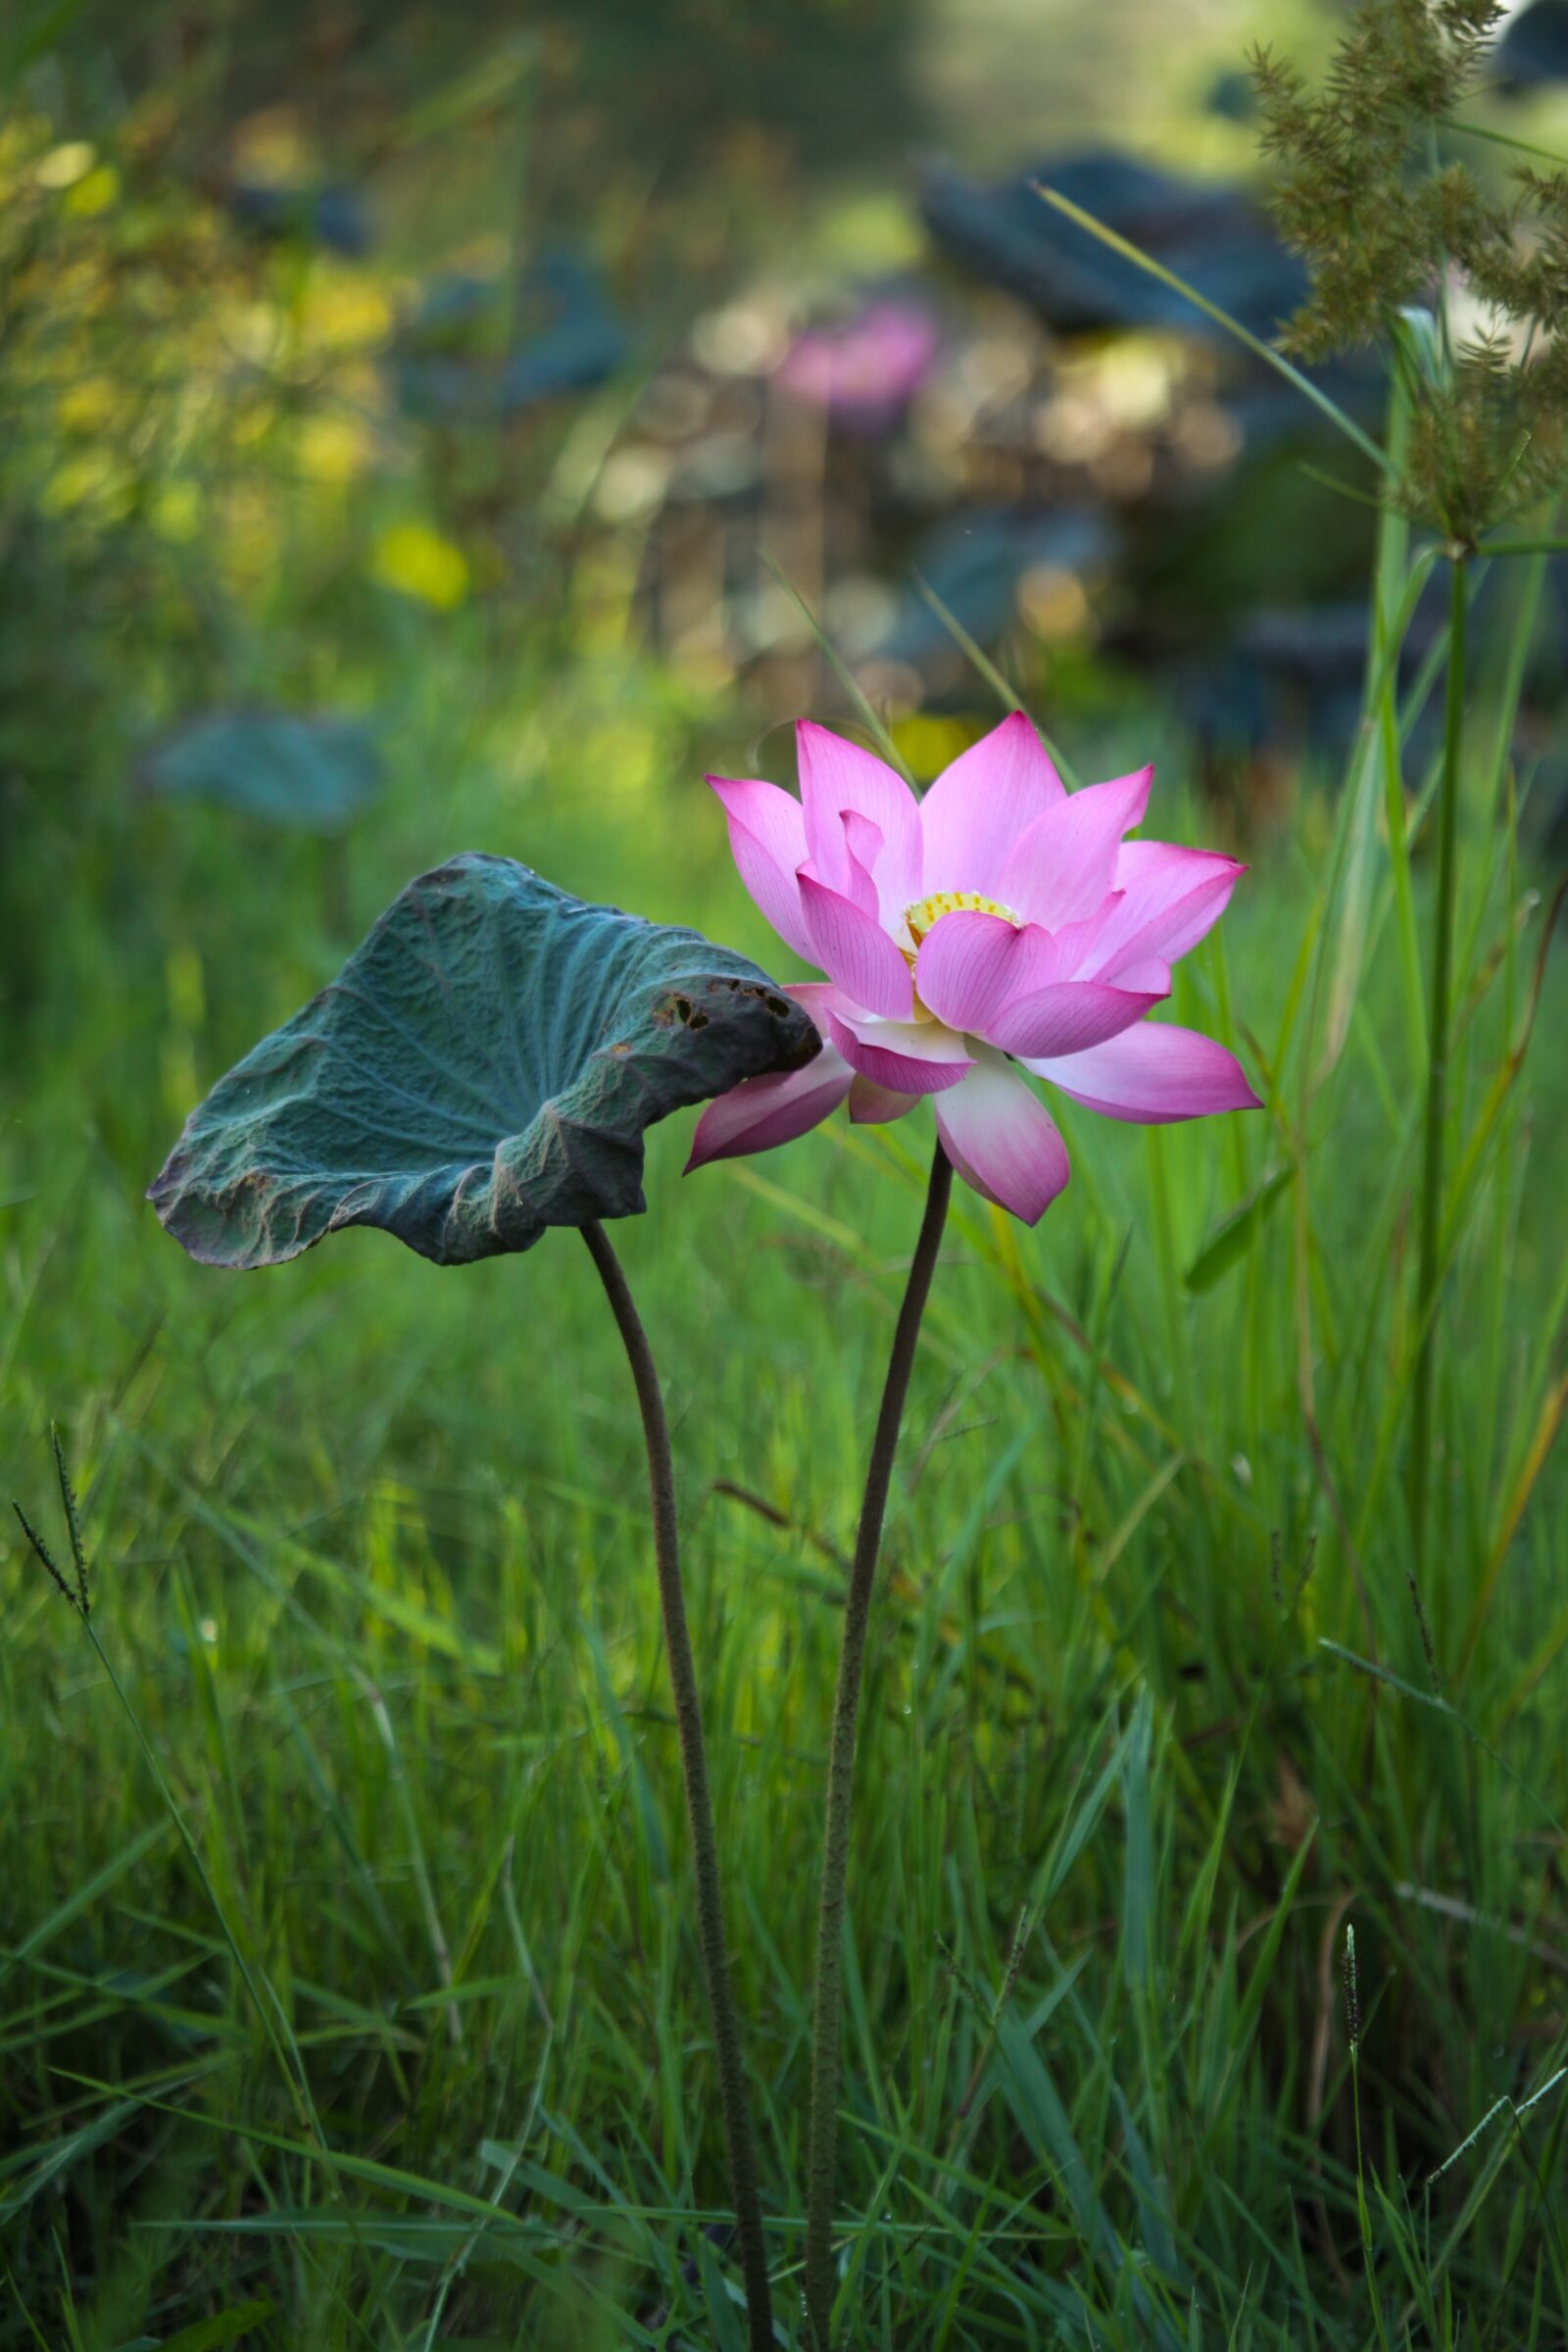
78 1595
1384 227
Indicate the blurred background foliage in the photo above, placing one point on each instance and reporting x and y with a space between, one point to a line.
335 335
416 429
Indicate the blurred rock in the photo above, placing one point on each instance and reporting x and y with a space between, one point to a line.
333 217
1533 47
979 563
565 338
1291 673
1232 96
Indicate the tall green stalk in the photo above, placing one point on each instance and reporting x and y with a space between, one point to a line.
699 1803
822 2138
1437 1059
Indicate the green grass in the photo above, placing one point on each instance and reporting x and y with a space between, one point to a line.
1149 1721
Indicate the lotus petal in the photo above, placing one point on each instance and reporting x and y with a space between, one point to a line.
1151 1074
979 806
1003 1141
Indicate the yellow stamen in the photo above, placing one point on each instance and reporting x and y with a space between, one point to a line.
925 913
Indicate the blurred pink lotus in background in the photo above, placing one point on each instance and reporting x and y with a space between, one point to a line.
1000 926
866 368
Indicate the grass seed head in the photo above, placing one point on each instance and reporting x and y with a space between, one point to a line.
1385 229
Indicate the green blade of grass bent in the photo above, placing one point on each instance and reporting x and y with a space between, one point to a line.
1276 360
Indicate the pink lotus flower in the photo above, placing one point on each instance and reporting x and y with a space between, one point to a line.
865 368
998 927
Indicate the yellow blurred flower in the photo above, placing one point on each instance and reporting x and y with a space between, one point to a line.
334 449
930 742
252 528
630 752
344 311
175 511
93 482
253 422
255 328
417 561
94 194
87 406
64 164
271 148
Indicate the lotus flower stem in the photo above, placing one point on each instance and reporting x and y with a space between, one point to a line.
1427 1278
821 2146
699 1804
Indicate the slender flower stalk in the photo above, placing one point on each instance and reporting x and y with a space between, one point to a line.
699 1804
821 2145
1437 1061
998 931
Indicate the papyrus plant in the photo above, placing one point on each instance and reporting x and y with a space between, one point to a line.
1468 295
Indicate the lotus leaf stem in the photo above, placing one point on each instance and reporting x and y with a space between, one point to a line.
699 1803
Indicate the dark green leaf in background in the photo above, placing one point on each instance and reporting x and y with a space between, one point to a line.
483 1066
316 774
